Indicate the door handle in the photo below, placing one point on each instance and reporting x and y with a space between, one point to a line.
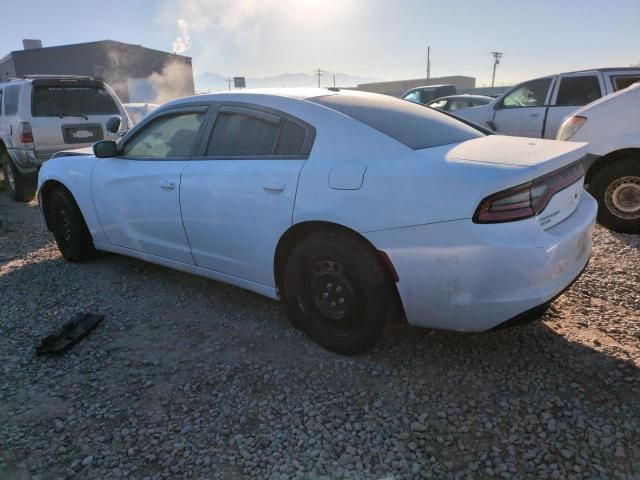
534 115
274 187
167 185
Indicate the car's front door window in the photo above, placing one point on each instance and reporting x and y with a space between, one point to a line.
169 136
529 94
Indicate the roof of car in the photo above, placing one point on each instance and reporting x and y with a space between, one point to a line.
293 93
606 69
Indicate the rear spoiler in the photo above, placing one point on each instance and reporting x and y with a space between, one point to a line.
66 82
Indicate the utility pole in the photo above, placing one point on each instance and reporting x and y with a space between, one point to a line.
318 73
496 61
428 62
229 80
334 79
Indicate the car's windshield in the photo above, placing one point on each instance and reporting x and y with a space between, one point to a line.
48 101
413 125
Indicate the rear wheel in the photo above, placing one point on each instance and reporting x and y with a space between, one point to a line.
617 188
338 292
68 227
21 187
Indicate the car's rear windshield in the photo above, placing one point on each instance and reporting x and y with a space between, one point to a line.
414 125
50 101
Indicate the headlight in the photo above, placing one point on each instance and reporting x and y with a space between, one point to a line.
570 126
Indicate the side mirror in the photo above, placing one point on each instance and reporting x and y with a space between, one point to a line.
105 149
113 124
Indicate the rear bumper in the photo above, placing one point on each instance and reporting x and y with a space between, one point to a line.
25 160
30 160
463 276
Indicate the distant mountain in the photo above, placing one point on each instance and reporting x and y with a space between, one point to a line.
210 81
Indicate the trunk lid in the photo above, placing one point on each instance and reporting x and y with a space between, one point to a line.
544 156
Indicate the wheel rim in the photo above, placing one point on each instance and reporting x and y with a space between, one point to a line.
11 179
623 197
64 225
331 291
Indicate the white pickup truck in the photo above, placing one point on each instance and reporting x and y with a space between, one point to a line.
611 126
536 108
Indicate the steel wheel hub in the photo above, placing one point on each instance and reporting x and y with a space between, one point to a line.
623 197
333 290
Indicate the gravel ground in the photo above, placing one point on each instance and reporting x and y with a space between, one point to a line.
190 378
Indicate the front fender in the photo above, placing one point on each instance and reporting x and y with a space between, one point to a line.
74 174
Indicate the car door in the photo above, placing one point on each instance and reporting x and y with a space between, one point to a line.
237 200
521 111
572 91
137 193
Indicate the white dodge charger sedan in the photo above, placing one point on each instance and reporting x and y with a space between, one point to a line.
343 204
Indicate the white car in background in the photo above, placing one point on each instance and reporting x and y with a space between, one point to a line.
611 125
536 108
340 203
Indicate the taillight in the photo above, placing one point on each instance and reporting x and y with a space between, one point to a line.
26 134
528 199
570 126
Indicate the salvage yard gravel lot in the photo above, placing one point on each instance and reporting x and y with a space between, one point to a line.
190 378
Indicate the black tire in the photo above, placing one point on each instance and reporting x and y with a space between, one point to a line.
616 187
68 227
21 187
338 292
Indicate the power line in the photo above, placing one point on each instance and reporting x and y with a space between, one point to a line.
496 61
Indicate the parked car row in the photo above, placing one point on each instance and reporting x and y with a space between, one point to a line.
349 206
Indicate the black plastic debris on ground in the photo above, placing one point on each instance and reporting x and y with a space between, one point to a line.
71 333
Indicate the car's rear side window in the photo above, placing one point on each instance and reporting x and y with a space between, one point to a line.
11 99
245 132
239 134
50 101
578 90
291 139
416 126
623 81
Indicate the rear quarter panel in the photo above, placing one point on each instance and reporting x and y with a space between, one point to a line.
401 187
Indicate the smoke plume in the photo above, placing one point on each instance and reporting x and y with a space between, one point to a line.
182 43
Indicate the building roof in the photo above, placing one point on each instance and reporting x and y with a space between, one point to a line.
72 45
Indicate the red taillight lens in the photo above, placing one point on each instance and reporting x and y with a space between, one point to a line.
26 134
528 199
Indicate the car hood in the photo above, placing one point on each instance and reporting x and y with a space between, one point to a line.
542 155
74 152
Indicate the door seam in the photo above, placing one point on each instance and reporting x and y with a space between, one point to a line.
184 229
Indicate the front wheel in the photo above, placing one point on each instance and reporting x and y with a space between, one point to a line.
616 187
21 187
68 227
338 292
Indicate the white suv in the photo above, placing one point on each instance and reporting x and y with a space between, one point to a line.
537 107
41 115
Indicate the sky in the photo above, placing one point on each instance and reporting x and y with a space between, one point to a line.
381 39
